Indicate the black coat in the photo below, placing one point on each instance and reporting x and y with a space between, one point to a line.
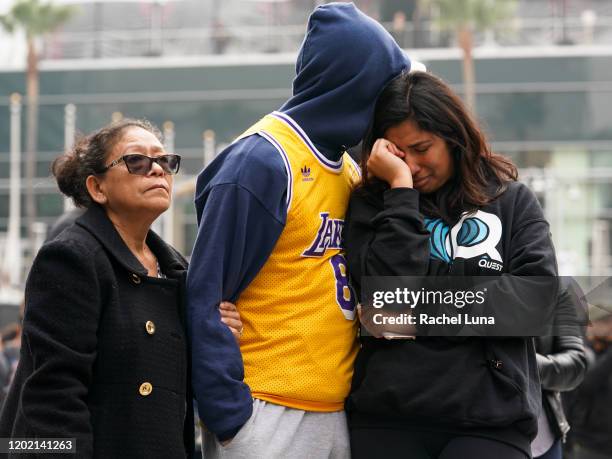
562 360
96 329
562 363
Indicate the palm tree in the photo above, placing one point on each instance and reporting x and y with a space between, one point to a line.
464 17
36 19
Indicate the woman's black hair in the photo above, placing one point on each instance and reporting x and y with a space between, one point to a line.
88 157
479 174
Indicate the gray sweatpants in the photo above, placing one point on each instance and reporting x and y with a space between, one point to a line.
275 431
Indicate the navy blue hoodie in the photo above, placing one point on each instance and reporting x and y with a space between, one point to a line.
344 62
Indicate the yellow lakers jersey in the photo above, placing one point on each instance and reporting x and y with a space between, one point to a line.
298 344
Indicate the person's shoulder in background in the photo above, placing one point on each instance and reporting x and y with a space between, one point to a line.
64 221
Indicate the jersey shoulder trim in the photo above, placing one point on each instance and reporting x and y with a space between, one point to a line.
354 164
285 158
334 166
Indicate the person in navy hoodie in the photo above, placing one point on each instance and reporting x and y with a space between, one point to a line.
260 205
427 169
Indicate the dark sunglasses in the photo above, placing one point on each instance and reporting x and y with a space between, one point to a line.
141 164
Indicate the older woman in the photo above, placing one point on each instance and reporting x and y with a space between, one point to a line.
104 358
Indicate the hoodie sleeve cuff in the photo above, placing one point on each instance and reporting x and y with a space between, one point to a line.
401 197
229 434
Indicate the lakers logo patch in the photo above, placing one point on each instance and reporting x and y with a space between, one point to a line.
329 236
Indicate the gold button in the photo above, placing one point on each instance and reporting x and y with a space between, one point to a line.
145 389
135 278
150 326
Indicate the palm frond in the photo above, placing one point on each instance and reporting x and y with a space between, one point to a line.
6 21
475 14
37 18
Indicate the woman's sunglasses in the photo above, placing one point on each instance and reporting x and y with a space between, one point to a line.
141 164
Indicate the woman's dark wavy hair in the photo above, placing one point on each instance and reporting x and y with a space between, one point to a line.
88 157
479 174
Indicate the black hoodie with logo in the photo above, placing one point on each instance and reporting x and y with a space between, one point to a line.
484 386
